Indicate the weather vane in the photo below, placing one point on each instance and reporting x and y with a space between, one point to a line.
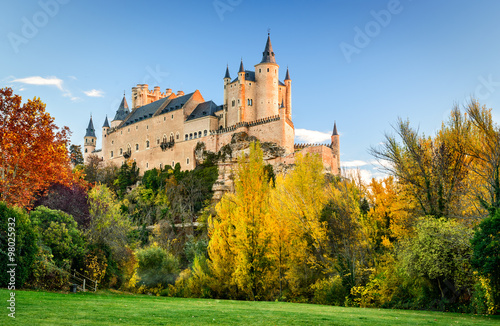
268 31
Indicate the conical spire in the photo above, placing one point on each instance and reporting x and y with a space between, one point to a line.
335 133
268 54
287 77
106 123
123 110
227 73
90 129
241 67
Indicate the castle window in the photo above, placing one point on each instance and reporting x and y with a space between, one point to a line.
136 147
250 102
190 136
233 102
186 138
147 127
111 153
121 151
147 143
199 134
173 164
238 101
86 150
128 130
112 142
92 140
136 127
260 71
147 165
187 161
161 166
195 135
121 132
172 117
157 141
204 133
267 69
164 118
177 136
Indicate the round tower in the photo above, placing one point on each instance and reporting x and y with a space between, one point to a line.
89 141
266 77
335 146
242 114
227 80
105 129
288 95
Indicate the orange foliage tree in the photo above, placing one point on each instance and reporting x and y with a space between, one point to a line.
33 151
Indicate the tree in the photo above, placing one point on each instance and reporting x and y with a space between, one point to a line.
486 255
432 170
16 232
243 219
75 154
33 150
72 200
439 252
59 232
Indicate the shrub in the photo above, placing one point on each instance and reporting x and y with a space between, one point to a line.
25 249
157 267
329 291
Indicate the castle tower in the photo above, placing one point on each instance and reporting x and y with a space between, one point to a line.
242 115
89 141
121 113
288 96
266 77
105 128
335 145
227 80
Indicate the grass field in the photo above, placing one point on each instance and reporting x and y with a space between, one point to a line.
106 308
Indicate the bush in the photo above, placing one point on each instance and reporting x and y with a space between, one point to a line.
329 291
45 274
26 247
157 267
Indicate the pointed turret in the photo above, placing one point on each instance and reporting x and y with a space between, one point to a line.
241 67
106 123
287 77
335 133
227 73
268 54
90 141
122 112
90 129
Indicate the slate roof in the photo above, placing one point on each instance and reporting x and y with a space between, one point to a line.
106 123
144 112
241 67
268 54
176 103
122 111
90 129
227 73
249 75
203 110
335 133
287 77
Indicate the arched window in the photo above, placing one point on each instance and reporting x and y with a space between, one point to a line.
147 143
187 161
199 134
177 136
171 136
136 147
190 136
121 151
186 137
205 133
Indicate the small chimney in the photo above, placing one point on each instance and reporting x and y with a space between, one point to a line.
168 91
180 93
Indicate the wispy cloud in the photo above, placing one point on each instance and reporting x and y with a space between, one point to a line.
94 93
353 164
37 80
311 136
47 81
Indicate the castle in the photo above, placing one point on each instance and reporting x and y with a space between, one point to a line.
164 128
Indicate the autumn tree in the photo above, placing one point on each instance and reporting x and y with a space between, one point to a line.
75 154
240 230
33 151
432 169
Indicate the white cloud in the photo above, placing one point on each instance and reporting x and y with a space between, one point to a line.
311 136
352 164
94 93
37 80
365 175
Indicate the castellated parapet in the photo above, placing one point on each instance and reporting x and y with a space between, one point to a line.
164 128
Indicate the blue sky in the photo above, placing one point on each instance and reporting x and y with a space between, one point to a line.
360 63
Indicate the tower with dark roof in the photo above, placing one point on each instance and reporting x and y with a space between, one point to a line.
335 145
122 112
288 95
89 141
266 78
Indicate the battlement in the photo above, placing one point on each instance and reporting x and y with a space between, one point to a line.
302 146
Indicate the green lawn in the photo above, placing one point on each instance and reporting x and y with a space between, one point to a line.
45 308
